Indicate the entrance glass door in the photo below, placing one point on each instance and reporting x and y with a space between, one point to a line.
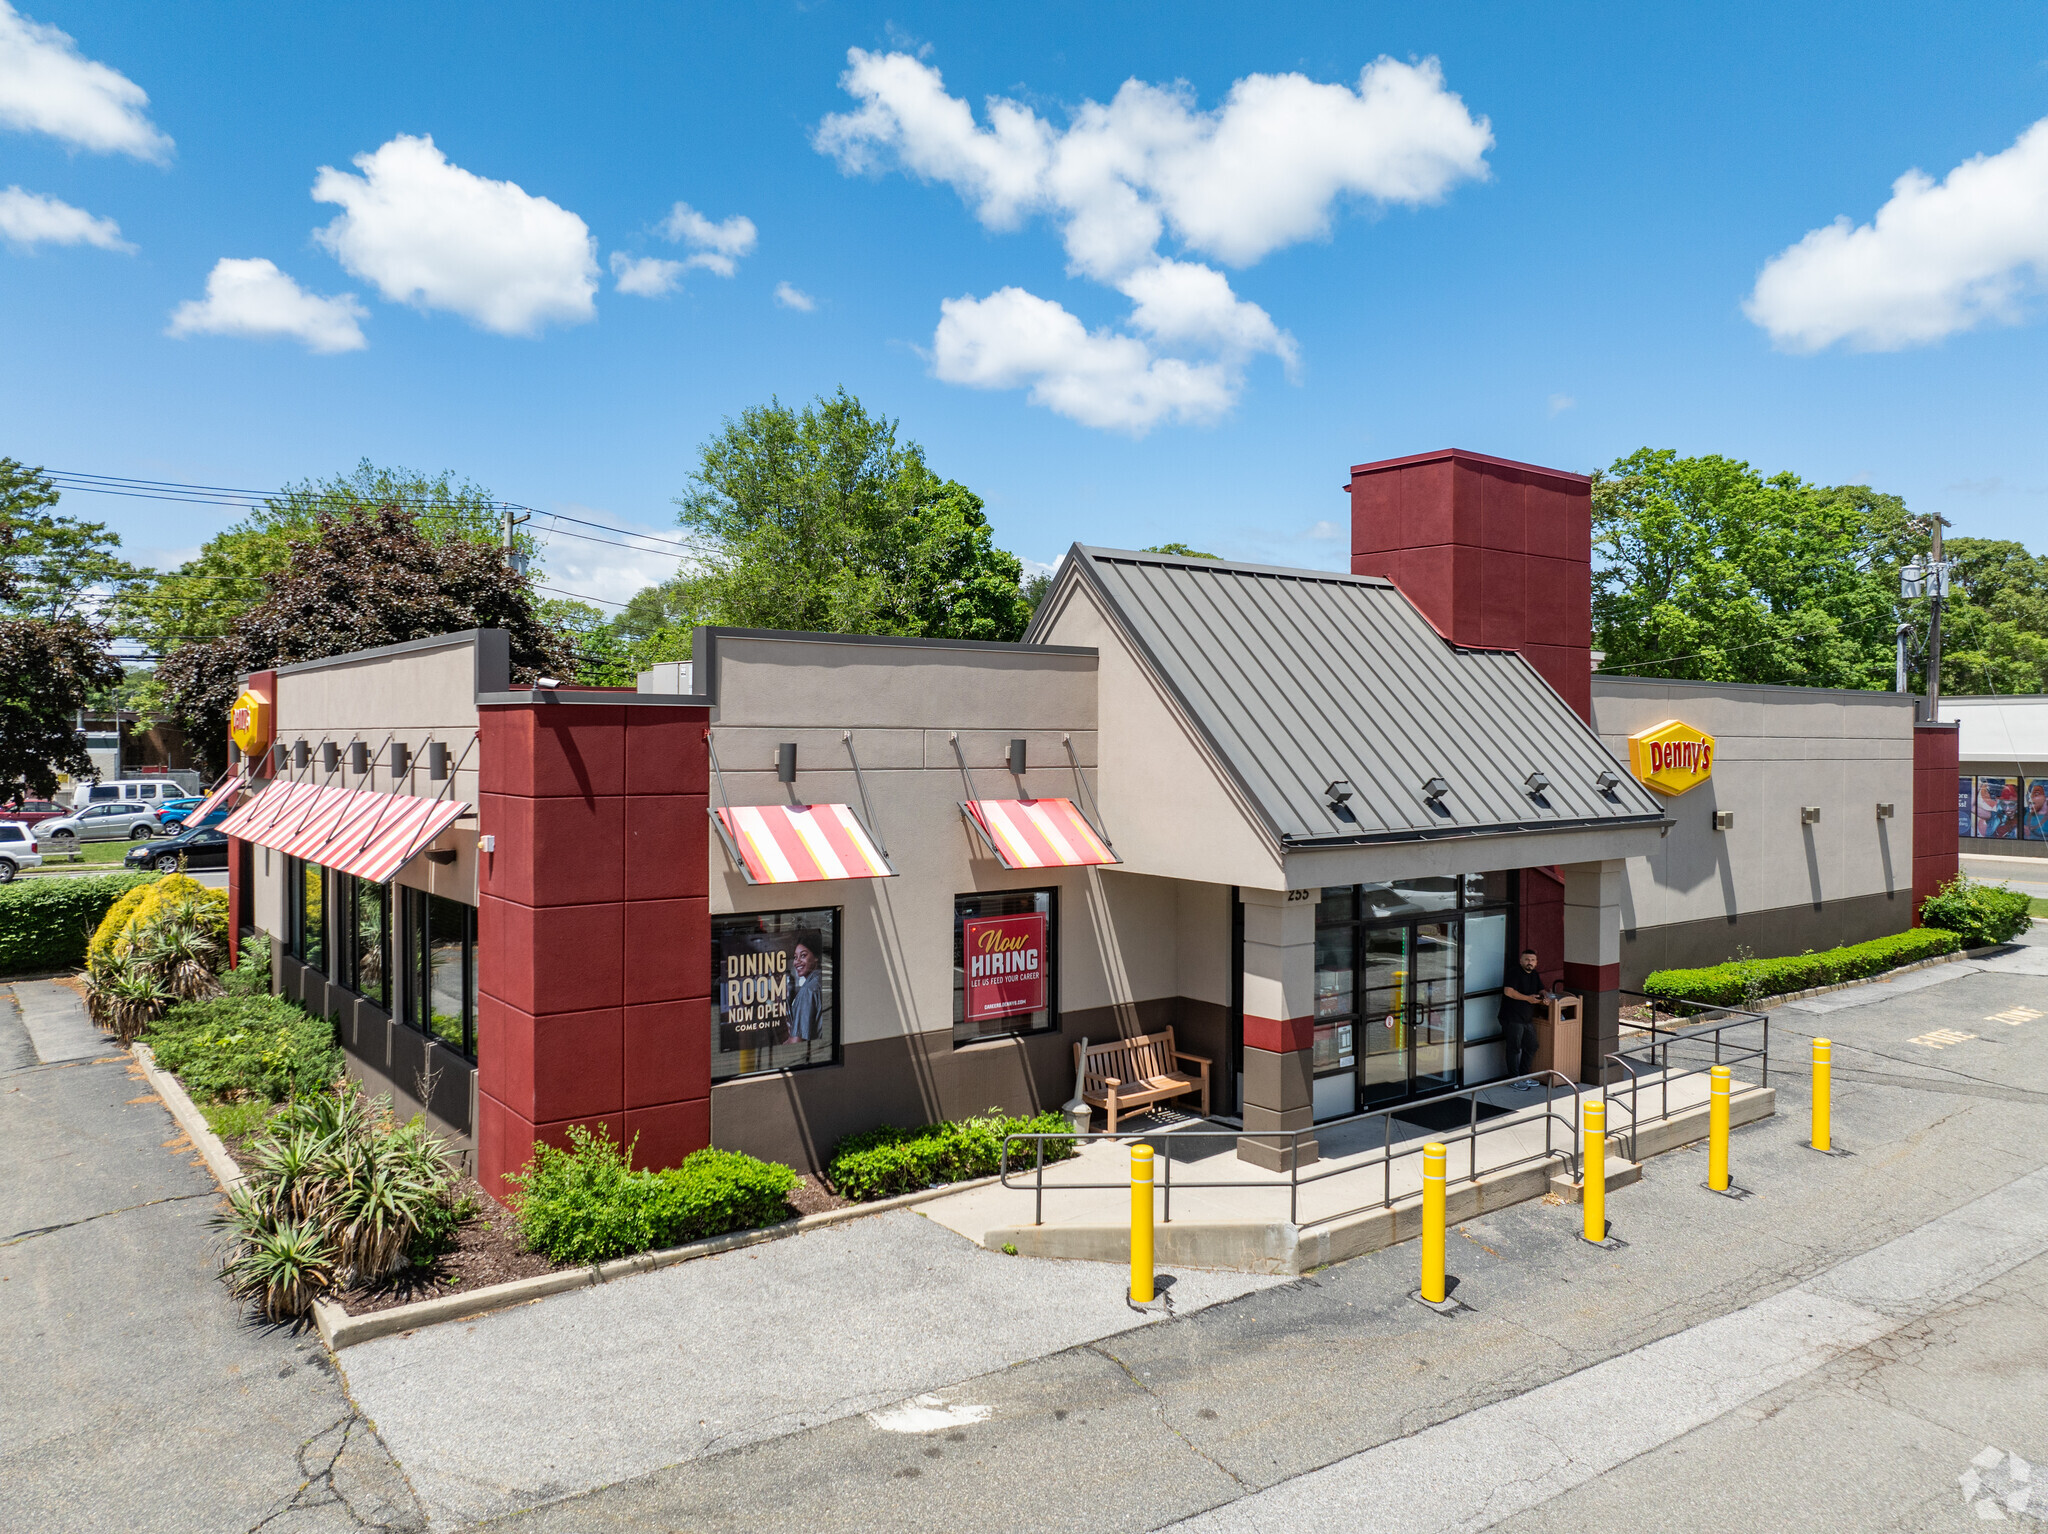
1383 1000
1436 1006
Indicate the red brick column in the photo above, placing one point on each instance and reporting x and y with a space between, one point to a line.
1936 838
593 941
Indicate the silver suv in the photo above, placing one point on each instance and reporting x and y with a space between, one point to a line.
17 850
123 821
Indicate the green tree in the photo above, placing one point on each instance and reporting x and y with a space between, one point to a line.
1706 569
231 574
58 566
1995 622
1180 549
357 579
821 519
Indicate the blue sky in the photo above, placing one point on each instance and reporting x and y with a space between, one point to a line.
1529 232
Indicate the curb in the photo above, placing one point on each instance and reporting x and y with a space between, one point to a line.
189 1118
338 1329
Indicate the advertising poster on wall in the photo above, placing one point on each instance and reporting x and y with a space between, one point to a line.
1998 808
1006 965
2034 811
770 987
1966 808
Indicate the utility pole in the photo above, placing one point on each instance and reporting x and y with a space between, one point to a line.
512 554
1937 588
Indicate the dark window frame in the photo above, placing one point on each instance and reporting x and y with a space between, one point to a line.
829 962
416 982
965 1040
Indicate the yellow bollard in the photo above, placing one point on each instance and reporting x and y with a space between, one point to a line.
1823 1086
1141 1224
1593 1158
1717 1130
1433 1158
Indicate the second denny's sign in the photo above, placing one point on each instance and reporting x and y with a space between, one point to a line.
1671 757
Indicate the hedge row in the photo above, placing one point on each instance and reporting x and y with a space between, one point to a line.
238 1047
1726 985
46 923
881 1163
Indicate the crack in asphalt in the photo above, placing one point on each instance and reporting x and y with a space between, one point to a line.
105 1214
1159 1411
318 1488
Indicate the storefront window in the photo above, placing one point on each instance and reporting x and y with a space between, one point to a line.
1003 964
365 911
307 883
775 975
440 937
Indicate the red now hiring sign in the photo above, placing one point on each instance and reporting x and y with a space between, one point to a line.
1005 965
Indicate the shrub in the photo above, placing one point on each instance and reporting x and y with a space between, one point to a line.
587 1203
251 974
230 1047
339 1194
186 899
45 923
881 1163
1979 914
1728 985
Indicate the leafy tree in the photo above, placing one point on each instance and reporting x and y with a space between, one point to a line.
57 566
1180 549
1995 623
1706 569
203 597
821 519
359 578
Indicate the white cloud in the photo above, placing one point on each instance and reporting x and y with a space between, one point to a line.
1940 257
792 297
1560 403
644 276
717 247
608 572
1263 171
48 86
29 219
254 299
434 235
1013 339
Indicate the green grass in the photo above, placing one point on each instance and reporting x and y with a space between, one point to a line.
89 854
2038 905
236 1121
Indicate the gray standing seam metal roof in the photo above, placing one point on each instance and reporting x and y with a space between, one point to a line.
1299 677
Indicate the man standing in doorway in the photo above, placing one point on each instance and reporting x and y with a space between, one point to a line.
1520 997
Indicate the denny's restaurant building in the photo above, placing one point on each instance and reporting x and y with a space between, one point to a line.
811 883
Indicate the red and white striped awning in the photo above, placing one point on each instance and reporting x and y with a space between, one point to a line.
352 830
798 843
213 801
1038 833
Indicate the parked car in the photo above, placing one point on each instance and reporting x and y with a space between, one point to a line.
199 849
18 850
150 791
120 821
172 812
33 812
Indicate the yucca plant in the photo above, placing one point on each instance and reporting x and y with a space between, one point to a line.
124 996
178 950
283 1264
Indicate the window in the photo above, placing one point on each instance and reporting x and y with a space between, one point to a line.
440 948
362 938
1003 964
776 978
306 888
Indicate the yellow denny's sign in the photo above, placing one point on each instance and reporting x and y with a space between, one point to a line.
1671 757
249 723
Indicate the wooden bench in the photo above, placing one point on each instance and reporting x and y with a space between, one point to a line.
1130 1073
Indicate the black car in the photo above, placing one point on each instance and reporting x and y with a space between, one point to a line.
205 848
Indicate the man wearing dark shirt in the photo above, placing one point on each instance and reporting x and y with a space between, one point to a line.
1520 997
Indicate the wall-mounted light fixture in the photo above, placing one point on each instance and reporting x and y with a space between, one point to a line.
330 756
359 757
1338 791
1434 789
1536 783
1016 758
1724 820
1607 780
487 844
785 762
301 754
442 855
437 760
401 758
280 757
1809 814
1884 811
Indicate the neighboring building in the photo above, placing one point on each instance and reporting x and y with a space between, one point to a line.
810 883
2001 774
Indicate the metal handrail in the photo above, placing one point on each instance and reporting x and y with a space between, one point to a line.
1657 1050
1388 1154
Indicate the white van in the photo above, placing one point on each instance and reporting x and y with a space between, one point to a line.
131 790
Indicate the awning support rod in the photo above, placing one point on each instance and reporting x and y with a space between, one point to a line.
413 847
874 825
1094 810
718 821
961 757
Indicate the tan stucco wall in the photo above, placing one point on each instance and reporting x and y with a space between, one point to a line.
1776 749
